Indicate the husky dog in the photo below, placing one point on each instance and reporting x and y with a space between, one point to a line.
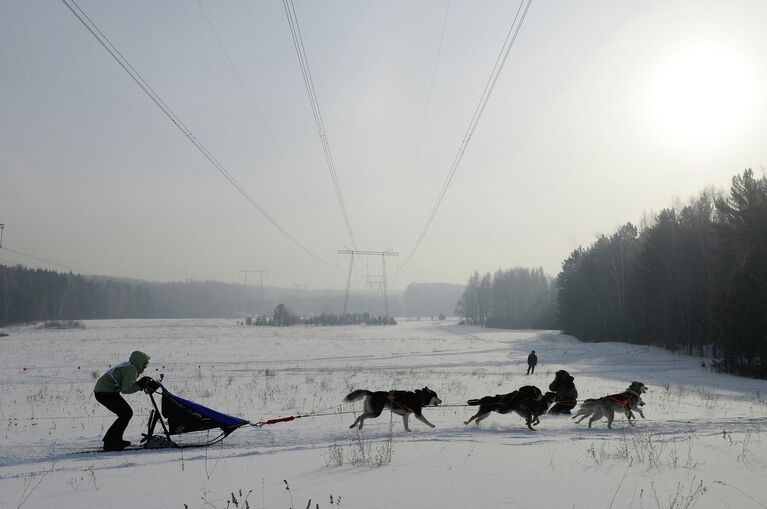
501 403
606 406
530 409
401 403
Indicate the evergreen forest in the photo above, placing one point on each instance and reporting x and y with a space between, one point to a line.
692 278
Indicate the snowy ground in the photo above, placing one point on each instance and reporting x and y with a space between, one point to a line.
700 446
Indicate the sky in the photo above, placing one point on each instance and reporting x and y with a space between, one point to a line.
602 112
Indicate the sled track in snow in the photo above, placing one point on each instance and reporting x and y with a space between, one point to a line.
270 441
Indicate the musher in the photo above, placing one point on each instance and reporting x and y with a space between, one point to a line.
122 379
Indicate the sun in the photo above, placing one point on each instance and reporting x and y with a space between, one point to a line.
701 95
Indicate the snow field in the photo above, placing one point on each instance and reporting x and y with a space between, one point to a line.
700 445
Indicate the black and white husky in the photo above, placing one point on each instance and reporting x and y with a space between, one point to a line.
606 406
401 403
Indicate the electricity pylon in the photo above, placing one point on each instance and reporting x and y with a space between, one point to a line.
260 273
260 278
383 255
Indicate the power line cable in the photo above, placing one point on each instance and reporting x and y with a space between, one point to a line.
96 32
303 61
417 152
314 101
48 262
229 60
90 275
62 282
240 79
500 61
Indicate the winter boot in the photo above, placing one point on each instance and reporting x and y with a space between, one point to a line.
118 445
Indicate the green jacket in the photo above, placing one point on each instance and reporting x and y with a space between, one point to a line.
122 377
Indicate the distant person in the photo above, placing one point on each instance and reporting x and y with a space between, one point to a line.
532 360
122 379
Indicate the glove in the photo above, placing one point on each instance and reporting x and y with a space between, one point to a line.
151 386
142 382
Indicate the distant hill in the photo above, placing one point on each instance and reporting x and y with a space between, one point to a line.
431 299
29 295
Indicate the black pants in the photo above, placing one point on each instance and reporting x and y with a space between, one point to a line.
530 368
116 404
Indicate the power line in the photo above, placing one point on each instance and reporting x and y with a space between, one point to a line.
62 282
500 61
303 61
240 79
48 262
96 32
231 63
417 153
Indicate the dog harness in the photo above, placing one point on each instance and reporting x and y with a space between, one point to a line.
399 405
625 401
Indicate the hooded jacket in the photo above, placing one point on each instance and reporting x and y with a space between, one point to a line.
564 386
122 377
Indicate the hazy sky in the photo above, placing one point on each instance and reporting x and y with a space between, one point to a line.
604 110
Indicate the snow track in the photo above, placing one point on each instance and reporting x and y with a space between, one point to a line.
700 426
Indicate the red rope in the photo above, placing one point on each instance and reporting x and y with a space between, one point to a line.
275 421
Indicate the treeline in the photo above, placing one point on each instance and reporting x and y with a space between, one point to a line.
349 319
30 295
284 317
517 298
693 279
37 295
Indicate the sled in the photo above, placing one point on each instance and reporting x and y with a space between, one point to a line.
178 416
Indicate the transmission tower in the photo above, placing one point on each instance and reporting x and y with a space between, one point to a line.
383 255
260 278
260 273
374 284
301 297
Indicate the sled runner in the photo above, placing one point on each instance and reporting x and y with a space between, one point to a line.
180 416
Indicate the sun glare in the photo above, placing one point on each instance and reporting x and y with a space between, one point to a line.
702 95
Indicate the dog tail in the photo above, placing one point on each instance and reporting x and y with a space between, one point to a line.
358 394
586 408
